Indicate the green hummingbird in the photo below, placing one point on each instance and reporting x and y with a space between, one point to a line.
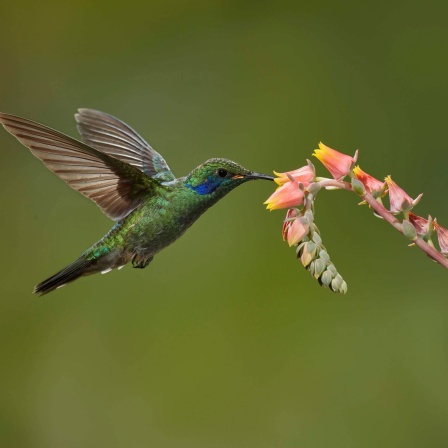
131 183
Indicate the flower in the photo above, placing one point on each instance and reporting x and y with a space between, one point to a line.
294 227
297 230
370 183
304 175
286 196
420 224
337 163
290 215
399 199
442 236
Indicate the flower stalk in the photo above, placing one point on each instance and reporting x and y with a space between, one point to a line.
380 210
299 189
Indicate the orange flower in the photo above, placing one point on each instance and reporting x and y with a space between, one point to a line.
370 183
399 199
286 196
337 163
304 175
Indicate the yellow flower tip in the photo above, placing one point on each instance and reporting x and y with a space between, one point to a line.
388 179
281 178
357 170
317 154
270 205
326 149
322 152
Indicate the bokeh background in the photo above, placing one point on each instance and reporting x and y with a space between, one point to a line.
224 340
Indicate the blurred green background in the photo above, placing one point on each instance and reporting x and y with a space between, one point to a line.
224 340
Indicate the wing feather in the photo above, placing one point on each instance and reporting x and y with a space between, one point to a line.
114 185
111 136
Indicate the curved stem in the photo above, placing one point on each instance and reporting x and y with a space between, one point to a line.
387 216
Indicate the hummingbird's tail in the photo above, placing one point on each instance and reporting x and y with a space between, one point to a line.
73 271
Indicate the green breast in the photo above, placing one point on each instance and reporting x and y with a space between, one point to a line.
161 219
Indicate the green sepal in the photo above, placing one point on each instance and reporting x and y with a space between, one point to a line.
358 187
409 230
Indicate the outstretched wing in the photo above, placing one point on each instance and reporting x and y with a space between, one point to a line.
111 136
115 186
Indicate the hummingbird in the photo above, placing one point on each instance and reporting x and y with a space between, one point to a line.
131 183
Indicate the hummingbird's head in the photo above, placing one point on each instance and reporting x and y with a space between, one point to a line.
217 177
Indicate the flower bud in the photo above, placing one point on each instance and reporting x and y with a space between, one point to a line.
409 230
332 269
319 268
316 237
358 187
336 283
326 278
290 215
323 255
300 246
308 253
297 230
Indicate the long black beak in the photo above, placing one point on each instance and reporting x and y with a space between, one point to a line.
258 176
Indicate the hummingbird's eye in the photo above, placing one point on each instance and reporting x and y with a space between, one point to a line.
222 172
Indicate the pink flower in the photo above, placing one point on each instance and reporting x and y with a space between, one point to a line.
291 213
420 224
297 230
304 175
286 196
370 183
442 236
334 161
295 227
399 199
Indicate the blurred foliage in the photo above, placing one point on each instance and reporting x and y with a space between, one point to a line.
225 340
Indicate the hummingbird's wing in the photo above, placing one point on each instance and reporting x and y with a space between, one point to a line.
115 186
111 136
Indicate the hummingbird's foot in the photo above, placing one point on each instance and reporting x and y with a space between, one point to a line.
140 261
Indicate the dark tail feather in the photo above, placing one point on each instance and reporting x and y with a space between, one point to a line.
66 275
